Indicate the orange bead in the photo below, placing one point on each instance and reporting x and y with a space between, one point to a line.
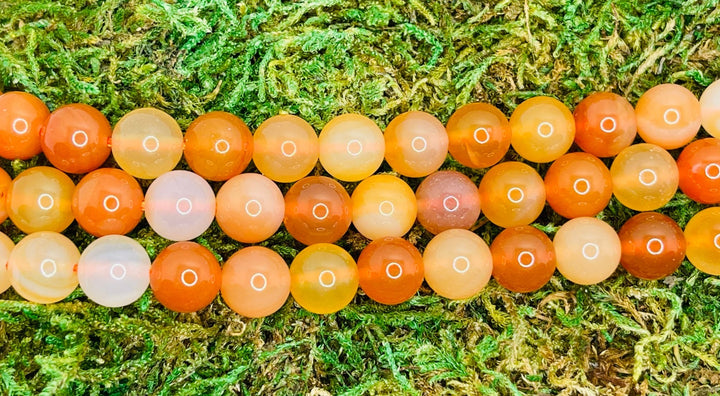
75 138
702 234
6 246
710 109
317 209
352 147
668 115
578 185
416 144
699 167
447 199
5 181
108 201
218 146
383 205
391 270
542 128
523 259
479 135
587 249
286 148
653 246
512 194
604 124
39 199
645 177
255 282
22 115
185 277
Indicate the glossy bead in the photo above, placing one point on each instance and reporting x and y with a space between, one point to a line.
523 259
286 148
185 277
317 209
447 199
644 176
699 167
255 282
479 135
578 185
653 246
218 146
323 278
352 147
543 129
587 249
604 124
42 265
250 208
458 264
702 234
416 144
710 109
75 138
668 115
391 270
108 201
512 194
147 143
5 181
114 271
383 205
39 199
6 246
22 115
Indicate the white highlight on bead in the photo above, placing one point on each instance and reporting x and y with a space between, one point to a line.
657 251
255 213
284 151
510 194
393 265
548 126
583 191
357 144
261 277
187 202
676 115
107 200
53 268
322 275
453 200
389 208
715 169
596 251
115 268
222 146
522 261
79 134
459 259
484 131
185 281
420 139
642 177
716 241
45 197
322 206
20 126
155 144
613 125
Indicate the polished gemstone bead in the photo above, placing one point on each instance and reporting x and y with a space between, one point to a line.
447 199
644 176
317 209
543 129
286 148
479 135
587 249
702 234
578 185
653 246
699 167
39 199
352 147
668 115
391 270
512 194
22 115
523 259
383 205
416 144
604 124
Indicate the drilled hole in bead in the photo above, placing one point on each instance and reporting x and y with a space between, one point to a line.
326 278
320 211
581 186
183 206
485 133
590 247
188 273
608 125
655 246
386 208
671 116
545 129
393 270
461 264
354 147
526 259
515 195
258 277
647 177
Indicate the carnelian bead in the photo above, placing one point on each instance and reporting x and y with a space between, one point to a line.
710 109
587 249
644 176
578 185
185 277
39 199
317 209
523 259
512 194
668 115
255 282
218 146
75 138
416 144
383 205
391 270
702 234
22 115
699 167
543 129
604 124
108 201
323 278
479 135
653 246
447 199
6 246
286 148
352 147
5 181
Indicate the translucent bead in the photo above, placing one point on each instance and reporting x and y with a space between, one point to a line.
702 234
250 208
39 199
710 109
512 194
653 246
5 181
114 271
578 185
22 115
317 209
286 148
479 135
587 249
523 259
543 129
604 124
644 176
6 246
179 205
699 168
416 144
668 115
352 147
447 199
391 270
383 205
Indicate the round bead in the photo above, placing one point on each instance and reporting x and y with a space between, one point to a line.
653 246
604 124
218 146
255 282
479 135
286 148
416 144
512 194
75 138
523 259
185 277
114 271
391 270
458 264
22 115
668 115
5 182
6 246
250 208
352 147
39 199
578 185
317 209
710 109
147 143
702 234
323 278
587 249
108 201
699 167
447 199
42 265
543 129
383 205
644 177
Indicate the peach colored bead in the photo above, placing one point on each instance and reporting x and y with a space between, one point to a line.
645 177
710 109
352 147
702 234
543 129
416 144
447 199
6 246
588 250
286 148
668 115
479 135
317 209
512 194
22 115
39 199
604 124
5 181
383 205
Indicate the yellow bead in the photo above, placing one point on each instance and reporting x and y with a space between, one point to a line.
382 206
645 177
40 199
702 234
6 246
286 148
352 147
543 129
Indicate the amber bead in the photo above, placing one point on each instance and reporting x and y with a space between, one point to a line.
285 148
702 234
317 209
523 259
479 135
542 128
653 246
447 199
383 205
352 147
22 115
39 199
644 177
416 144
512 194
391 270
604 124
577 185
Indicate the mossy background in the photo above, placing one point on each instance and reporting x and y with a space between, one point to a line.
318 59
